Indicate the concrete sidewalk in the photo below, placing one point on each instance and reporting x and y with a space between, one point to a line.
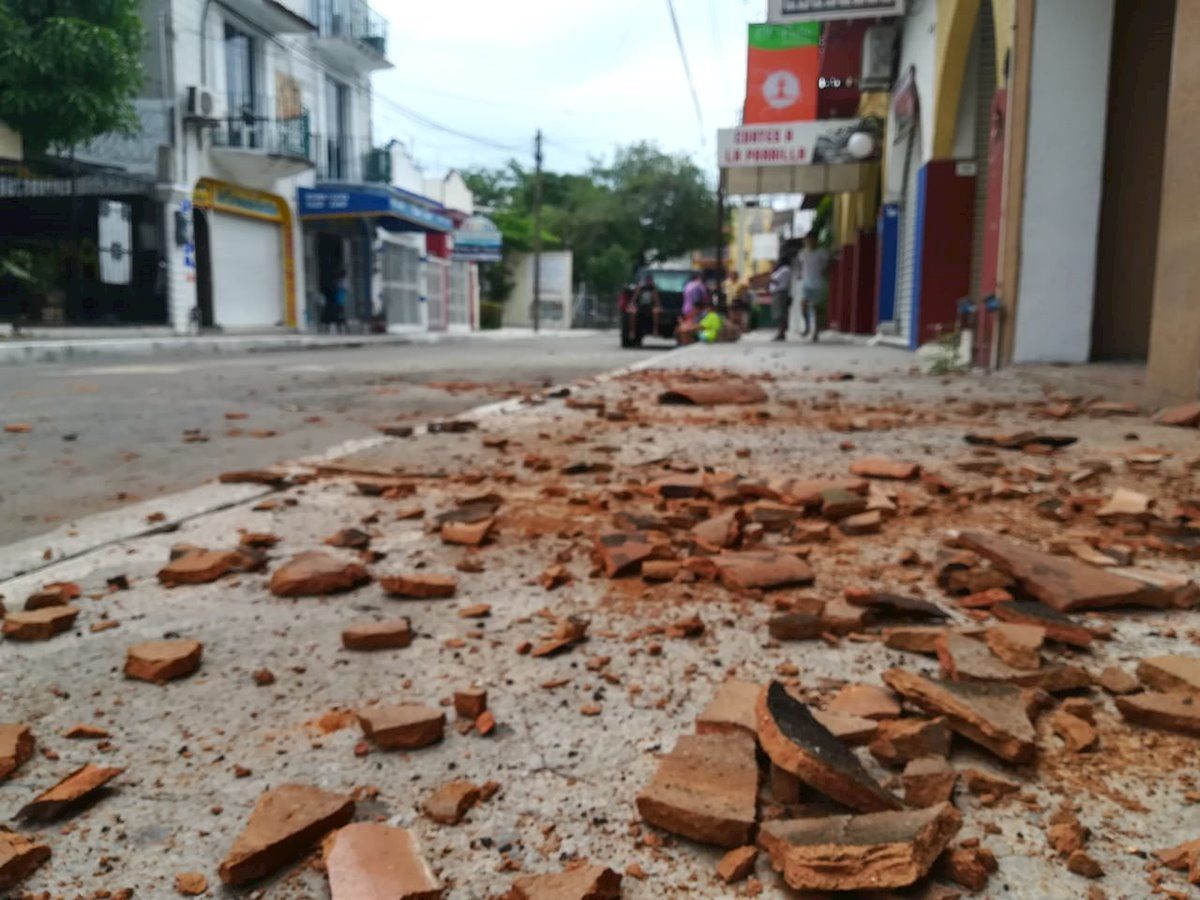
44 347
580 733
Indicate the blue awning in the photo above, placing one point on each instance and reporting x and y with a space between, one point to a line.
392 209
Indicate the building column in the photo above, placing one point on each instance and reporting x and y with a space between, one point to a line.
1173 370
180 256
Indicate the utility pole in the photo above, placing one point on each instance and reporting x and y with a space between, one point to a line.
537 231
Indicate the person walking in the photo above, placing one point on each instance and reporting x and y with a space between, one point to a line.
814 265
694 293
781 297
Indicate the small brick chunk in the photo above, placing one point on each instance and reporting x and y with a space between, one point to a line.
39 624
900 741
420 586
197 566
580 881
470 703
405 727
371 860
449 803
391 634
928 781
737 864
163 661
315 574
71 790
16 747
1017 645
20 857
190 884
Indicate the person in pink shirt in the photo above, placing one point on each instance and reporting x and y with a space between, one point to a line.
694 293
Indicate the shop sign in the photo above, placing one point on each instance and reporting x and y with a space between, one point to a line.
785 144
824 10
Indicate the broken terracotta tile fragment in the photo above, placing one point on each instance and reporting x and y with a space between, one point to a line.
1016 645
883 467
1082 863
928 781
405 727
1170 673
847 728
730 709
705 789
966 659
917 639
198 566
16 746
40 624
992 714
1186 415
59 593
265 477
450 802
1077 734
877 851
869 522
286 822
900 741
553 577
1174 711
884 603
314 574
372 861
984 783
81 731
190 884
1059 628
1116 680
467 534
660 570
391 634
568 631
163 661
20 857
720 532
970 867
713 394
764 570
796 626
868 701
837 504
797 743
73 789
577 882
420 585
621 553
1063 583
737 864
350 539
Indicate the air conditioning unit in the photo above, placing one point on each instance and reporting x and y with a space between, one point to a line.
201 104
878 58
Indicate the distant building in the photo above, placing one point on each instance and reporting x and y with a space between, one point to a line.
10 144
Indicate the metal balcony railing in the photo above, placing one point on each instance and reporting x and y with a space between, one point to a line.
244 127
353 20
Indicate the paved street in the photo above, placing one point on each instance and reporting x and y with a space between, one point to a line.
113 432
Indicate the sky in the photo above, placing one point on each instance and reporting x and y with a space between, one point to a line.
592 74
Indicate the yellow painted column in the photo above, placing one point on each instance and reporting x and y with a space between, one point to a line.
955 25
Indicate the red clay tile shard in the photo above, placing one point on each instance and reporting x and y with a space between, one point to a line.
578 882
1186 415
286 823
928 781
419 586
1020 440
59 593
85 732
621 553
884 603
467 534
349 538
900 741
392 634
450 802
162 661
992 714
798 743
966 659
847 728
470 703
837 503
883 467
20 857
73 789
1015 645
1063 583
554 577
255 476
680 487
796 627
878 851
1077 734
1117 681
737 864
568 631
1059 628
405 727
1171 673
970 867
761 569
861 523
1182 857
867 701
1172 711
197 566
705 789
713 394
913 640
721 531
371 861
40 624
731 709
16 746
314 574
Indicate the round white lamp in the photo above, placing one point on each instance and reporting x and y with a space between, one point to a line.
861 145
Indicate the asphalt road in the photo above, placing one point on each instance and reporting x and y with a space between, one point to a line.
107 433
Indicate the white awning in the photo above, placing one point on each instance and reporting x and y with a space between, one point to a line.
832 178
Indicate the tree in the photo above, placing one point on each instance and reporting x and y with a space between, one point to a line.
69 69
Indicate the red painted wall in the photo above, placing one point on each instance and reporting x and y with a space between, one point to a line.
862 292
947 222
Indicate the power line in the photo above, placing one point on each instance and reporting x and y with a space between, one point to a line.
687 69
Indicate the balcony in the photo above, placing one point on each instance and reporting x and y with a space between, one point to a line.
251 146
350 35
272 16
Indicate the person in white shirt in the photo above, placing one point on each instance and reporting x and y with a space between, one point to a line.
813 262
781 296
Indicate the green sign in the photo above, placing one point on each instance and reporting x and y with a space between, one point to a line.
785 37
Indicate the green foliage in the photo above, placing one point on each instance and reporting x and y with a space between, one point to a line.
490 315
69 68
646 207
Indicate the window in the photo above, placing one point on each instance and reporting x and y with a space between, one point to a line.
336 127
240 88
